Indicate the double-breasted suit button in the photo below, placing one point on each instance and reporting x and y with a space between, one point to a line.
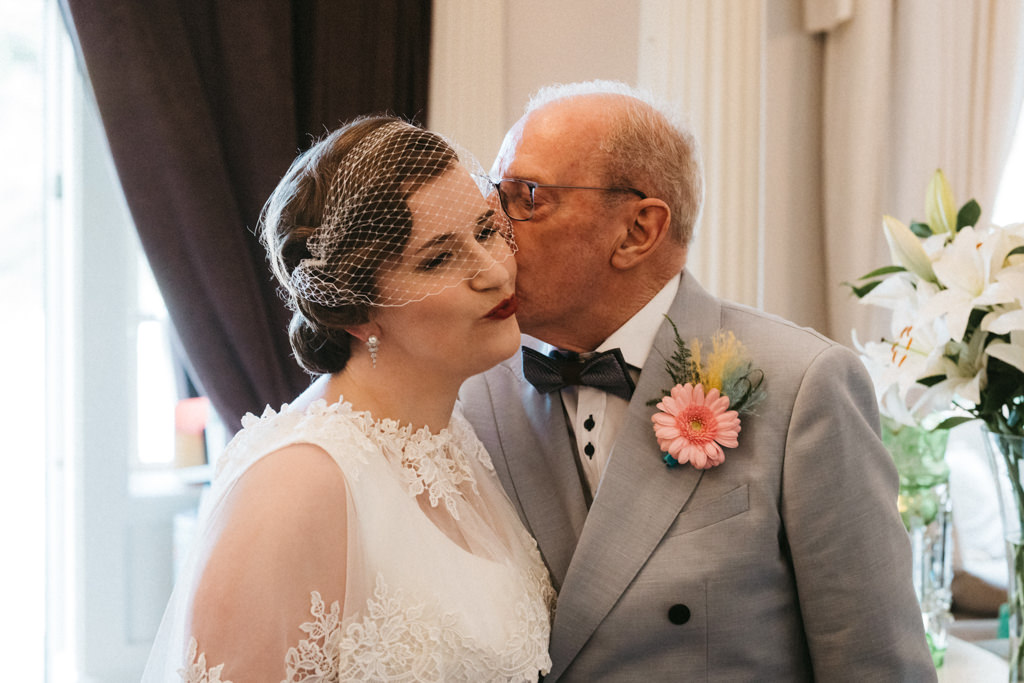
679 614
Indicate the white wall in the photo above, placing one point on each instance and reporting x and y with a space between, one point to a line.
490 55
566 41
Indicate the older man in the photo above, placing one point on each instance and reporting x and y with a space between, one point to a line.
787 561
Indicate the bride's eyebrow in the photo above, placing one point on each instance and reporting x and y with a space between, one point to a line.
484 217
436 240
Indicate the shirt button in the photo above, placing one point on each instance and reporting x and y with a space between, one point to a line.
679 614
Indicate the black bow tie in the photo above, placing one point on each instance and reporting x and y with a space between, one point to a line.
606 371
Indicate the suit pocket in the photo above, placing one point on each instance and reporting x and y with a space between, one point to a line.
725 506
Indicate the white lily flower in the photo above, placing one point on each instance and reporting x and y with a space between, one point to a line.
906 249
965 269
1015 230
1012 353
892 382
966 387
890 365
892 292
948 280
935 402
908 313
935 245
896 365
1013 276
1002 321
875 356
891 405
968 369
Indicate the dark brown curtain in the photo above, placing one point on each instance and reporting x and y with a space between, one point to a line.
205 104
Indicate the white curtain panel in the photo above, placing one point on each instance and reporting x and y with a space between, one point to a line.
705 57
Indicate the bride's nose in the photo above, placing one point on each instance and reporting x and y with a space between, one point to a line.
496 268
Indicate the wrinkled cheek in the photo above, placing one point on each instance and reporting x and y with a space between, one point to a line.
526 252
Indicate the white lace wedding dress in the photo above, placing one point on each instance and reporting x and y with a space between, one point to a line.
441 581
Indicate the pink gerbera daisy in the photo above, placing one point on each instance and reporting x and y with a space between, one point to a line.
693 428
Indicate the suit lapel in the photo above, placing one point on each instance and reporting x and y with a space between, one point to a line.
542 480
639 497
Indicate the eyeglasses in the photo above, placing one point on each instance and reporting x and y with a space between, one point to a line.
517 200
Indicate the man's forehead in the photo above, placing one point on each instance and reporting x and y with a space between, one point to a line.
507 151
549 143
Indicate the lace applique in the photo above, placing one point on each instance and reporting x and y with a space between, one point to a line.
315 660
471 445
431 463
395 639
317 657
196 672
389 640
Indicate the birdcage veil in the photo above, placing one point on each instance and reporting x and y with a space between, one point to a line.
407 215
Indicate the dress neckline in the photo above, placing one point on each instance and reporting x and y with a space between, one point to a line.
427 462
387 425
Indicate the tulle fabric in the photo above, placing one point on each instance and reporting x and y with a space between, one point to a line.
411 565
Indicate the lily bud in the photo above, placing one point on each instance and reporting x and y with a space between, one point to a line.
939 206
906 249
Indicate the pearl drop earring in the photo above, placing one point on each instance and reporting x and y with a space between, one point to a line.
372 344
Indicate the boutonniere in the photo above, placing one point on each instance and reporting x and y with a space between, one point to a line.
700 415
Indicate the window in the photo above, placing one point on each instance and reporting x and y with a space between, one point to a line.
22 351
155 373
89 382
1009 207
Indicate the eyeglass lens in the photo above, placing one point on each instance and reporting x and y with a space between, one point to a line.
516 198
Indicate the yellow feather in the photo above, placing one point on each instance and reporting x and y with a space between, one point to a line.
727 353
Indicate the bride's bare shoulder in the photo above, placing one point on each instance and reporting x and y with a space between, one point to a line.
280 535
284 488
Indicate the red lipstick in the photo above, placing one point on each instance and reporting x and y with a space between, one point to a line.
503 310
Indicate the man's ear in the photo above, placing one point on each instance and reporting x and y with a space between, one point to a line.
650 226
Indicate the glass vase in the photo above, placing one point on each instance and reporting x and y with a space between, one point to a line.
927 513
1005 454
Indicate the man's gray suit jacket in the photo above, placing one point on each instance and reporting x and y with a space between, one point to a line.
788 562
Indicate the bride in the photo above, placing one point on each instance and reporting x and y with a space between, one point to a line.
360 533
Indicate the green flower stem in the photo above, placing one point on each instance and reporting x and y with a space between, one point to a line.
924 505
1016 595
1010 449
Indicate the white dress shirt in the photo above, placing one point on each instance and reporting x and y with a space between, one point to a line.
595 415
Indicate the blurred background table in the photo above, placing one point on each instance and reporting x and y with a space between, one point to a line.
974 662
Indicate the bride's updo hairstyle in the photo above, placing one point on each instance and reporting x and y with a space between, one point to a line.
336 218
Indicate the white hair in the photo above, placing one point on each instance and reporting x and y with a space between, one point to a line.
651 147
